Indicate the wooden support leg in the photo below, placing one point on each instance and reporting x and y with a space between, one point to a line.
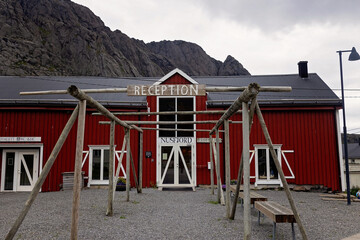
45 171
119 163
109 211
211 166
227 168
140 161
77 170
246 160
220 194
241 167
280 171
127 134
134 171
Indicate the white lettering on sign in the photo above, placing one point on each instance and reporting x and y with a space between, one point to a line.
207 140
20 139
176 140
167 90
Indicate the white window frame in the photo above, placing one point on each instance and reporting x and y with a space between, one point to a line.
89 154
193 144
268 181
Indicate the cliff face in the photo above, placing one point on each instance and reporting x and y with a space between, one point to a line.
59 37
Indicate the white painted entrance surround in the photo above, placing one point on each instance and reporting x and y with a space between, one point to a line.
176 159
25 164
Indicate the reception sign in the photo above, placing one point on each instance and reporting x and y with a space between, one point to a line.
167 90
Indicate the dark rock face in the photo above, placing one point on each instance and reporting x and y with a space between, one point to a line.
59 37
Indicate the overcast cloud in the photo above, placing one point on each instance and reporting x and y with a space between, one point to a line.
267 37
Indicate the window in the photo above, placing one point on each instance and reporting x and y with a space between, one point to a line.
174 105
265 168
99 159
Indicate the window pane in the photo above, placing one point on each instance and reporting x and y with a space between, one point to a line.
106 165
273 170
96 164
185 104
262 163
9 171
167 105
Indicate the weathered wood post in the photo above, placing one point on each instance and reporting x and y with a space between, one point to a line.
227 167
280 171
45 171
241 167
221 198
141 147
211 166
109 211
134 171
128 150
246 164
218 177
77 169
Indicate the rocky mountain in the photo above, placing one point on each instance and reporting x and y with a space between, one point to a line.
59 37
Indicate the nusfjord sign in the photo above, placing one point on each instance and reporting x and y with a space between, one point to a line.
167 90
176 140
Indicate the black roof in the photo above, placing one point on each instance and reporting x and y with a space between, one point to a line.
305 91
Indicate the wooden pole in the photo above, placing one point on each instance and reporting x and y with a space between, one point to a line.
77 169
249 93
280 171
241 167
45 171
220 194
77 93
211 166
227 167
134 171
127 134
109 211
246 164
141 146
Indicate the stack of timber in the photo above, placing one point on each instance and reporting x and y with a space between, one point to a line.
338 197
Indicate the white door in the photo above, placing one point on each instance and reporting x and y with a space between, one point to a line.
176 166
20 170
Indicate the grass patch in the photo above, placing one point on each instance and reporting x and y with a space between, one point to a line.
213 202
122 217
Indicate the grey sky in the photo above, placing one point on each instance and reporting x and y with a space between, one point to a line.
267 37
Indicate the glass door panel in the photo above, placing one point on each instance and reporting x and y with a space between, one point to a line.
167 165
27 168
185 170
106 165
9 170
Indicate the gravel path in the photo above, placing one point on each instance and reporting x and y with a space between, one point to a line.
169 215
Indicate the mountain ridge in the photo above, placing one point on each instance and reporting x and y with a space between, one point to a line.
60 37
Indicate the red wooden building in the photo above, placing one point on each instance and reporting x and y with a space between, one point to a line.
303 124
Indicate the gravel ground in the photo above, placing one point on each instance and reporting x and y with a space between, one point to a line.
169 215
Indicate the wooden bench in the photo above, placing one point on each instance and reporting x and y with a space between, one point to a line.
253 196
277 213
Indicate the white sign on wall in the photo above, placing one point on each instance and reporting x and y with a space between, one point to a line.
20 139
176 140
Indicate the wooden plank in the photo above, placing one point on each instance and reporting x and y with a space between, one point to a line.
211 166
276 212
141 147
167 90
